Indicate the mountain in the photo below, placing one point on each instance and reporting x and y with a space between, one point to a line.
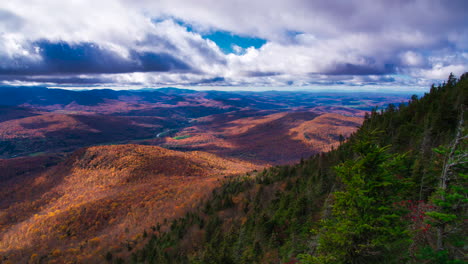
257 136
106 101
37 120
384 196
42 96
52 132
14 112
85 178
100 197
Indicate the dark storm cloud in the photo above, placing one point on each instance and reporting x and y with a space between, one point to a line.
56 79
353 69
150 62
89 58
261 74
210 81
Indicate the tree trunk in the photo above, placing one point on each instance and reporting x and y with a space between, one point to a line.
445 177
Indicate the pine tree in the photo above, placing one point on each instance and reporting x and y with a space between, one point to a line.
365 226
450 201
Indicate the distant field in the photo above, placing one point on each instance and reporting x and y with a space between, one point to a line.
181 137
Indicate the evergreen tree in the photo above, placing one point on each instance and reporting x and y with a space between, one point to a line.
366 226
450 200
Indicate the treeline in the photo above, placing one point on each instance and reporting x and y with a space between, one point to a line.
395 192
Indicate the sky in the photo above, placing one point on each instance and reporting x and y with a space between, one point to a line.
237 44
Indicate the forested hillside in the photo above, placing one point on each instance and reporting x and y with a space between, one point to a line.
98 198
395 192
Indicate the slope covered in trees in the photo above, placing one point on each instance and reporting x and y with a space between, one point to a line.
395 192
98 198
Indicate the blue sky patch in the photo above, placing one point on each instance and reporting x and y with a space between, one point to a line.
226 41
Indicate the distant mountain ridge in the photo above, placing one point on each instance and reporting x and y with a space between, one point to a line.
42 96
37 119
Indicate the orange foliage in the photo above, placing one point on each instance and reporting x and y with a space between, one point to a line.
267 139
323 132
103 195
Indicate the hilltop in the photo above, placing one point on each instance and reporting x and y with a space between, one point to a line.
101 197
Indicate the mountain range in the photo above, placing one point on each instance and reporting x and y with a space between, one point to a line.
87 175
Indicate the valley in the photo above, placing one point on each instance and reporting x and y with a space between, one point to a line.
37 120
88 172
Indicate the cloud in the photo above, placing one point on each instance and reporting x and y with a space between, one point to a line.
86 58
9 20
412 59
211 81
252 43
367 69
63 79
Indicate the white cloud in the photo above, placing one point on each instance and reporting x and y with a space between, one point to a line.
309 42
412 59
237 49
441 72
